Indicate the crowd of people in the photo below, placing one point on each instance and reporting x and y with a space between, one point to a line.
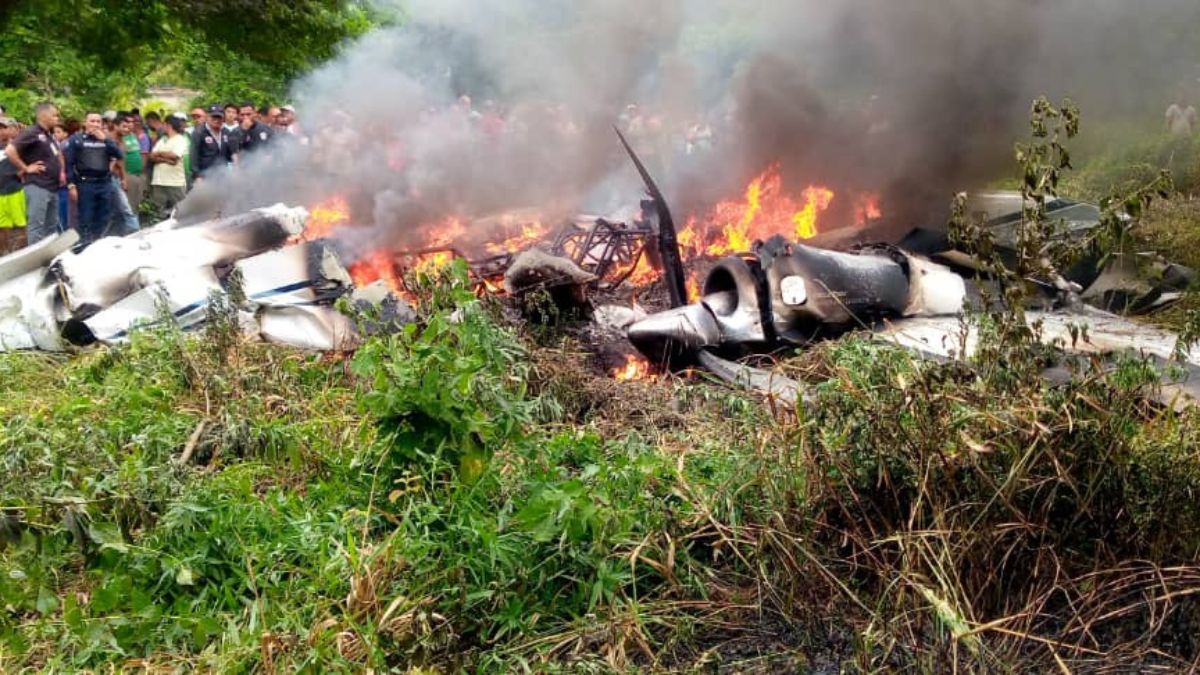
99 175
94 175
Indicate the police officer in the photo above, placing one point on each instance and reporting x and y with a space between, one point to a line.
91 159
252 134
211 149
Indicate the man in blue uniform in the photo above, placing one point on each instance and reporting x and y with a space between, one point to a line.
91 159
211 149
251 135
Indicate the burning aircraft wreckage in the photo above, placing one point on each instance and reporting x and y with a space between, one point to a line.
282 271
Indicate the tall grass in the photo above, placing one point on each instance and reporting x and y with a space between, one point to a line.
455 497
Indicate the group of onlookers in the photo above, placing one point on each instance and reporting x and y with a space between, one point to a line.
1182 120
97 175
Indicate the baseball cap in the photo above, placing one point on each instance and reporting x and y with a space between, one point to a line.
109 115
216 110
289 107
7 122
179 116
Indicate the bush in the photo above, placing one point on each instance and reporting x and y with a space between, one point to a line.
946 495
409 508
1123 166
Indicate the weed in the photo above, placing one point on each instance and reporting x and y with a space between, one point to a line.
455 498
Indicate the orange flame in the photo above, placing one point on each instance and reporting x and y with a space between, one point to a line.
326 217
693 286
643 274
866 208
765 210
731 226
376 266
530 234
491 286
432 262
636 368
446 233
816 199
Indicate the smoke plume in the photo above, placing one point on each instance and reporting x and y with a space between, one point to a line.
910 100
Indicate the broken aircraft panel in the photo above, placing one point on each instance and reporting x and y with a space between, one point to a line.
49 293
792 293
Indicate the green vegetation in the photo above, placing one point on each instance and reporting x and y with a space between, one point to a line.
229 49
413 504
463 496
1125 160
457 497
1114 159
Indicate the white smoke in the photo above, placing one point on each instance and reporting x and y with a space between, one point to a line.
914 100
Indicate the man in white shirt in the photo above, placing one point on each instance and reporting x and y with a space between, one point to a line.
1181 121
169 184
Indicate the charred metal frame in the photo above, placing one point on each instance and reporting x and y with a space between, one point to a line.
611 251
620 247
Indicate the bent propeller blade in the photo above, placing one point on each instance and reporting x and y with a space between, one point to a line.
668 244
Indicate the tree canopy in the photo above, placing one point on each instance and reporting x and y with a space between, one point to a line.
105 53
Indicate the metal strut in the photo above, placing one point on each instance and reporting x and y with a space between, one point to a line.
668 243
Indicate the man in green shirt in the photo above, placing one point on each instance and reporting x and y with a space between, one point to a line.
135 162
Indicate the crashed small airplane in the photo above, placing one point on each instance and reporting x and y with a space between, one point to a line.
915 294
52 296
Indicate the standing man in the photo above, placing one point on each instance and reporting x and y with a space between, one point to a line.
169 183
252 133
233 127
198 118
36 156
91 158
153 125
285 121
127 187
135 162
269 115
210 146
286 126
231 117
64 201
148 131
12 197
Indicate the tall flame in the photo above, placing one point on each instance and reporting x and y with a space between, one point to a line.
764 210
731 226
816 199
693 286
